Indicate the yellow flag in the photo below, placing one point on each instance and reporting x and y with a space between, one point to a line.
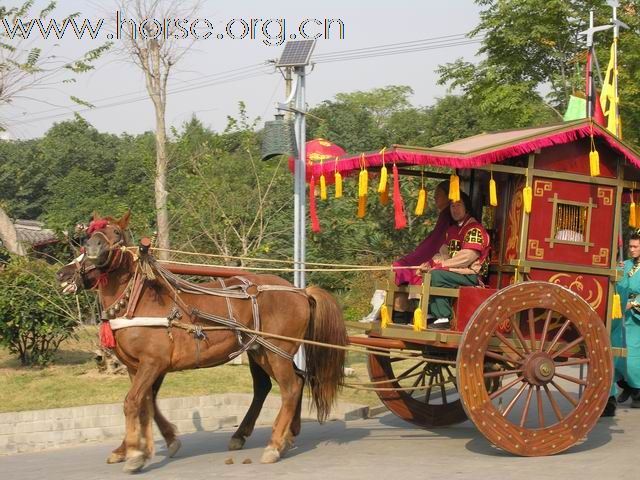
608 97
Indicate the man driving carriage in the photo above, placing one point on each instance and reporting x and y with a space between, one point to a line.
461 260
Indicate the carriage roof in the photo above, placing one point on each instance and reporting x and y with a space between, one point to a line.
483 149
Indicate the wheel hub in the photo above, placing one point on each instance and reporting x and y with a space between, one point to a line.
539 368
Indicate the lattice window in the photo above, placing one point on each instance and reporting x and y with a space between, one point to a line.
571 222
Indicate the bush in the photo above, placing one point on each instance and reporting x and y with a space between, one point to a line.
34 315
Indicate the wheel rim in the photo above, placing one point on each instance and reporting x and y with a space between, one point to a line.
535 408
425 393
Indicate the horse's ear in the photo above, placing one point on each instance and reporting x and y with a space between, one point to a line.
95 215
124 220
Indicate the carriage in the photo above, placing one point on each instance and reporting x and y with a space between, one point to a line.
527 356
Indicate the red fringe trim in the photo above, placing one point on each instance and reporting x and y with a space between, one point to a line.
398 205
315 222
107 340
351 165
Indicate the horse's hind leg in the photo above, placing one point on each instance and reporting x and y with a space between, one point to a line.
261 388
296 423
167 429
290 391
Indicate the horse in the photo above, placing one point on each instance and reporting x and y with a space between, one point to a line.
159 323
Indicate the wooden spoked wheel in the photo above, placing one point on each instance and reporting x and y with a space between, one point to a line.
419 391
548 357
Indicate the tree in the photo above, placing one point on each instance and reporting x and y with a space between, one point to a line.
228 200
530 46
23 67
156 53
34 316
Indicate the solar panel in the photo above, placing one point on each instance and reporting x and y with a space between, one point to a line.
296 53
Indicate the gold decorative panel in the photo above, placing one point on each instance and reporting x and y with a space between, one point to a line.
606 194
541 186
533 250
602 259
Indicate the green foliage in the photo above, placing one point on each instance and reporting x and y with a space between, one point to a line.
34 317
533 46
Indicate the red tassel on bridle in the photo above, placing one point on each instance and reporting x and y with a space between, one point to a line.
96 225
398 205
315 222
107 340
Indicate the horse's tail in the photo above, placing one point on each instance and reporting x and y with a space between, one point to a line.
325 366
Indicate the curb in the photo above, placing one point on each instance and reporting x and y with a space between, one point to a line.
37 430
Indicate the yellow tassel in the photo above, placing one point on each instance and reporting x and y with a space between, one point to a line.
616 308
363 183
493 194
382 186
384 196
418 322
454 188
594 163
632 214
422 199
323 188
527 197
637 215
338 180
385 318
362 206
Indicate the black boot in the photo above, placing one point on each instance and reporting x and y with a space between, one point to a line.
626 391
610 407
635 397
402 318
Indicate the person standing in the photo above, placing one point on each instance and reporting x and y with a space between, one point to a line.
626 332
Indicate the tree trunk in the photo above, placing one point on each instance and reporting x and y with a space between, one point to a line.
162 212
9 236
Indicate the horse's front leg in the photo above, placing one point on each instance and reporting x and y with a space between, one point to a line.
138 398
119 454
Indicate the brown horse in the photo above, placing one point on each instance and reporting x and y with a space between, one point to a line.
180 334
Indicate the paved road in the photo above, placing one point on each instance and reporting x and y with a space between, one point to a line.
379 448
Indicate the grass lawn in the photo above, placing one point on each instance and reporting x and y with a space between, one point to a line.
74 380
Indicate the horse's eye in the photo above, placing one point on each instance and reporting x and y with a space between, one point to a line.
117 232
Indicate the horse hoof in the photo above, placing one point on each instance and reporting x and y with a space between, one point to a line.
115 458
236 443
173 447
134 463
270 455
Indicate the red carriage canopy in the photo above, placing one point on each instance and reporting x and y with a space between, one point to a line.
479 150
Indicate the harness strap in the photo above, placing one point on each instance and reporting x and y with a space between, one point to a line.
234 324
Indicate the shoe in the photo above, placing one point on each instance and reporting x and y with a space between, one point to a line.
624 395
610 407
440 324
635 403
402 318
376 303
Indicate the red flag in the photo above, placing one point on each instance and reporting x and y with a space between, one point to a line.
594 109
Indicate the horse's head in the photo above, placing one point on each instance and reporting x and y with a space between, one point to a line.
101 253
106 236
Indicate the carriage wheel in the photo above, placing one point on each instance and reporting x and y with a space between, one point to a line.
536 408
425 393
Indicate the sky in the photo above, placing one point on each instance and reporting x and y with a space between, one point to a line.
215 74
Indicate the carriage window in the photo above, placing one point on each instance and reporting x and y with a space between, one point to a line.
571 222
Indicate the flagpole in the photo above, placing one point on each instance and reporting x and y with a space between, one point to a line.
616 33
